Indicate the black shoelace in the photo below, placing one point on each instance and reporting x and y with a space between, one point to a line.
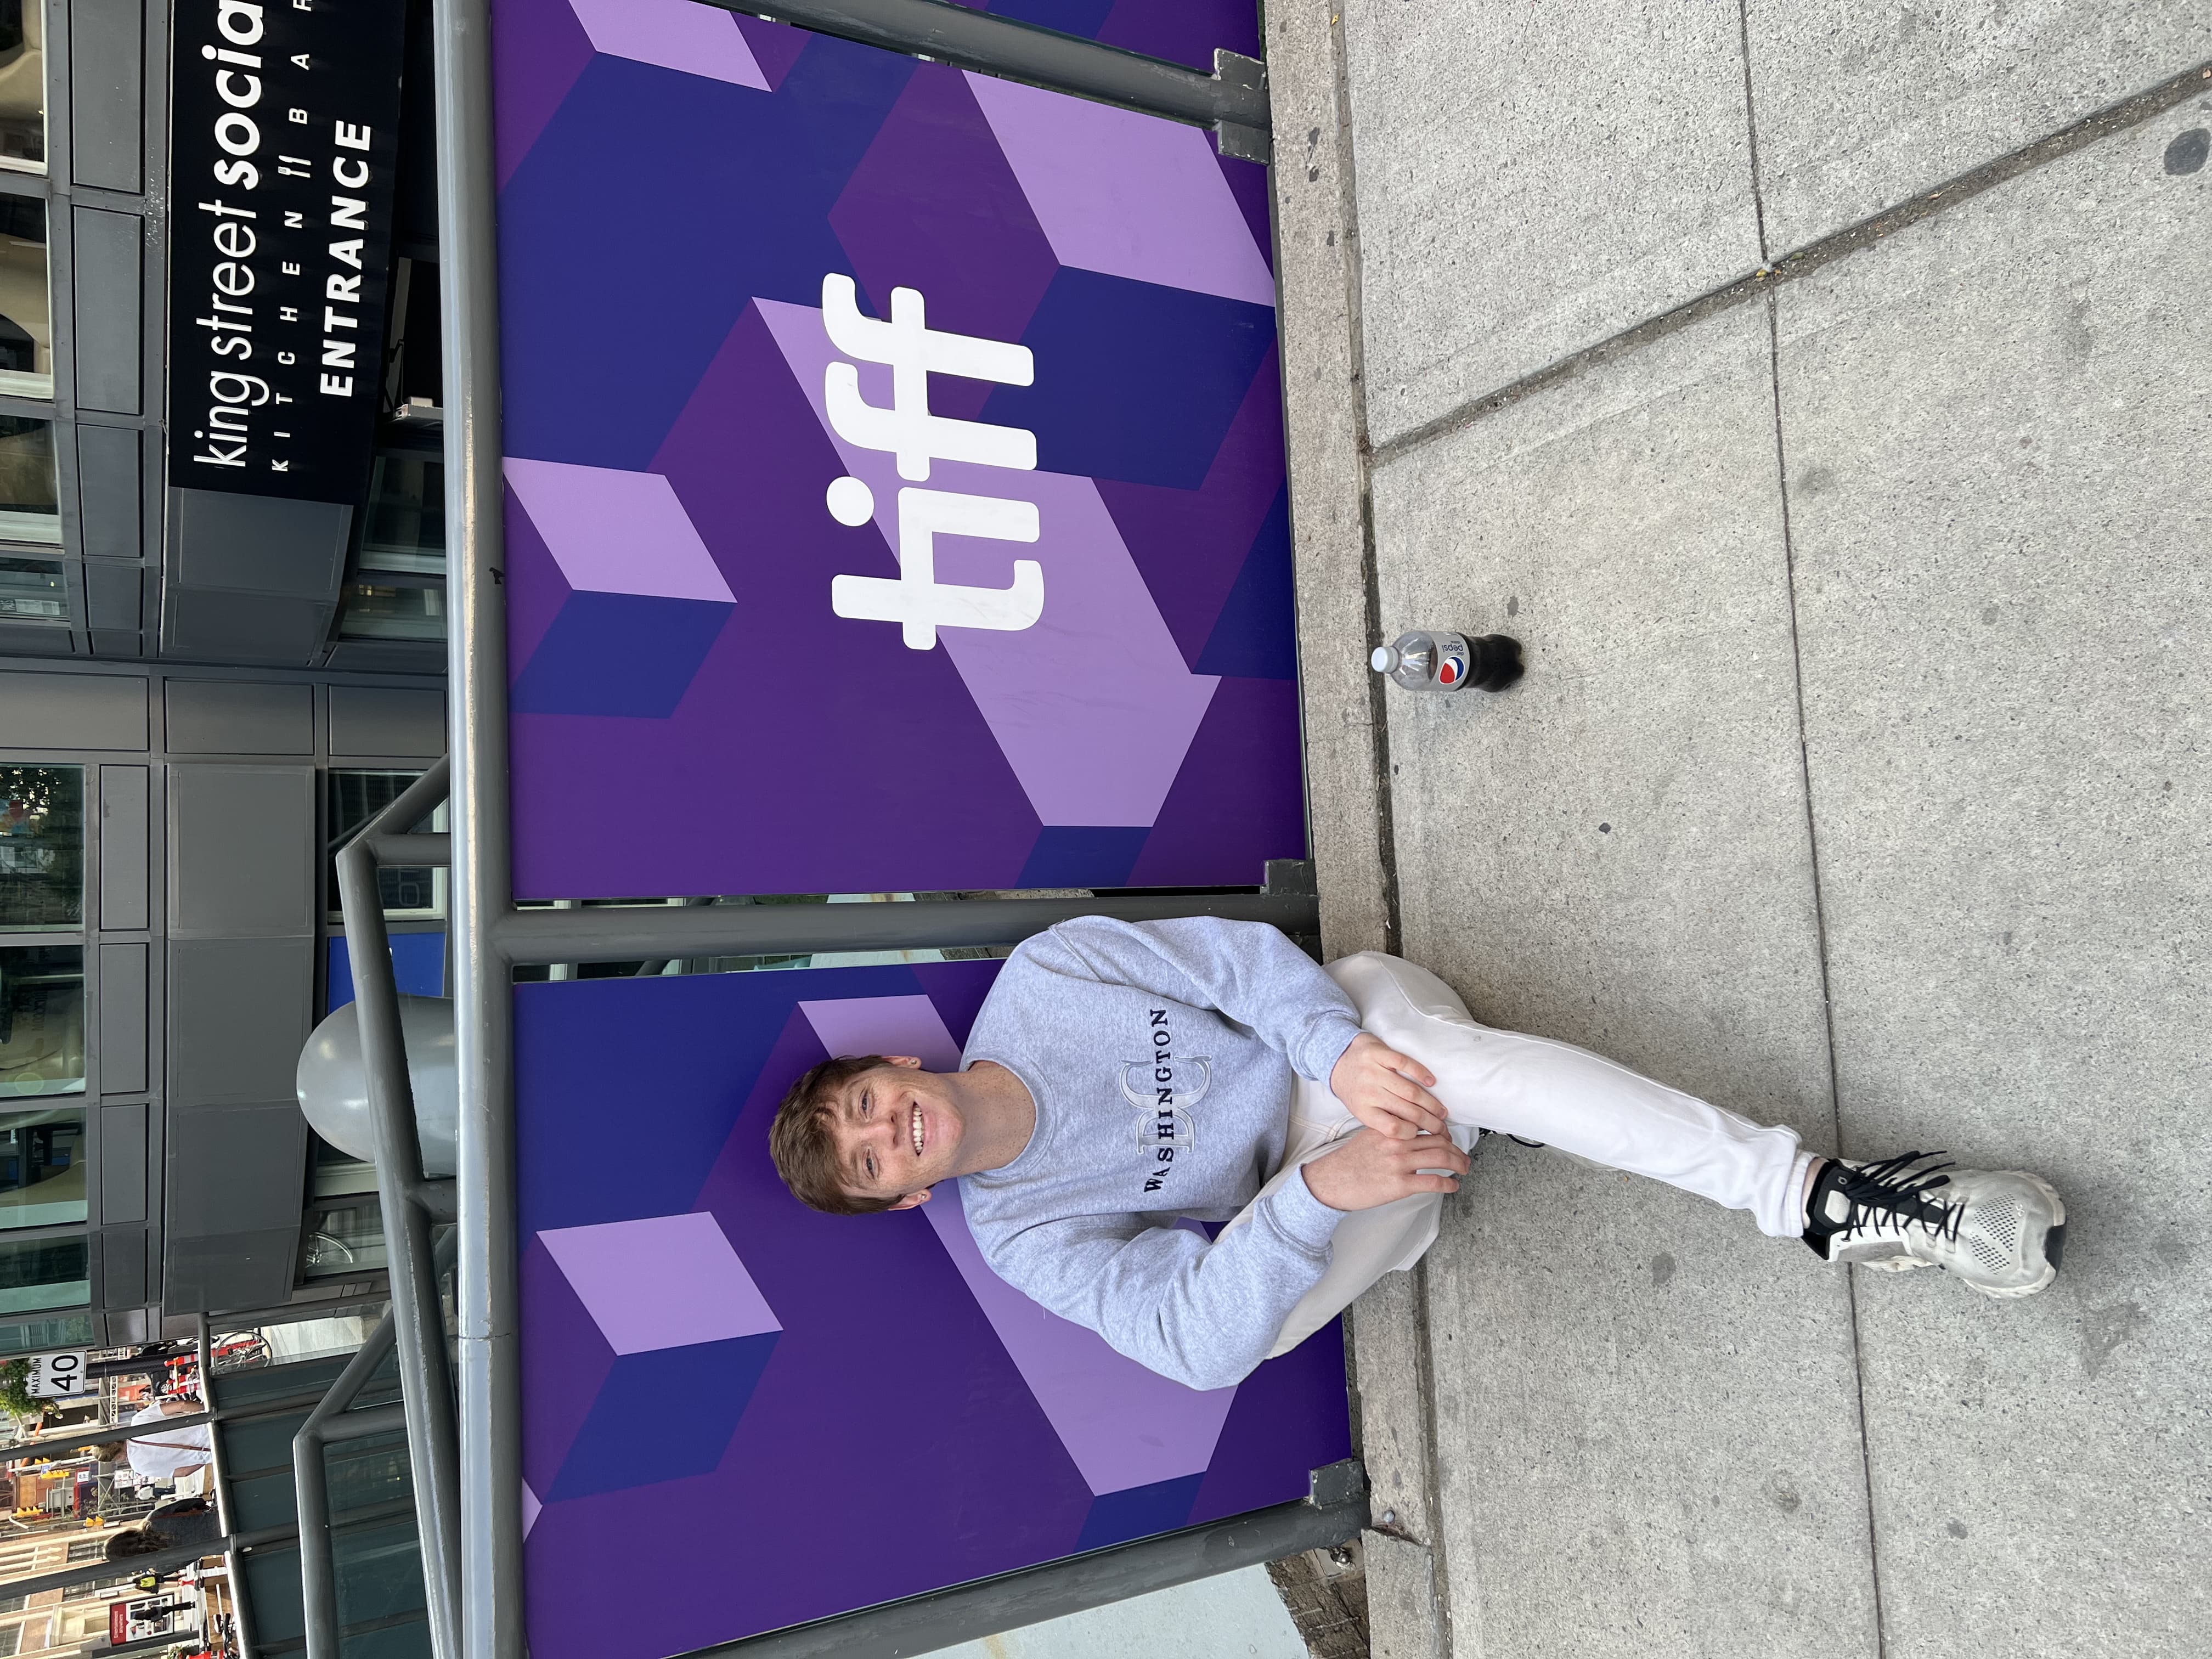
1889 1194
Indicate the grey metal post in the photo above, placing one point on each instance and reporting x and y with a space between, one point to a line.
481 983
618 932
431 1434
998 45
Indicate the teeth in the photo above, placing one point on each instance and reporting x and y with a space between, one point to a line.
914 1128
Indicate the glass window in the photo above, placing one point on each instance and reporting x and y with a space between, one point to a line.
23 85
31 590
342 1238
29 500
43 1273
338 1174
41 1168
380 610
42 847
357 797
41 1045
405 529
27 332
44 1335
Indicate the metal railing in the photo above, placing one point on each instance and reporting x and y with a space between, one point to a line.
219 1479
469 1512
412 1204
333 1420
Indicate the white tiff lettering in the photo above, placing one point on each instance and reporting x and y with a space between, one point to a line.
916 599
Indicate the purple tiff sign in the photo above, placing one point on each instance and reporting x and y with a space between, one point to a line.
896 486
738 1414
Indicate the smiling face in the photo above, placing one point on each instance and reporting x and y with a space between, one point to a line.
897 1130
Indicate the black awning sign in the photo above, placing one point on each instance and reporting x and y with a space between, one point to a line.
283 118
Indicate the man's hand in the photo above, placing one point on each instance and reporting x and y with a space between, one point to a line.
1368 1169
1387 1091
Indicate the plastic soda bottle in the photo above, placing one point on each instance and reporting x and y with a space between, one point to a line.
1436 659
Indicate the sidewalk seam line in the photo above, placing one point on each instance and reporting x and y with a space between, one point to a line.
1378 708
1820 938
2130 112
1751 124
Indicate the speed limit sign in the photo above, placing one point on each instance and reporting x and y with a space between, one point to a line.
53 1375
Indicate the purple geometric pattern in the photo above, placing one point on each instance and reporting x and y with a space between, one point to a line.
678 34
1099 748
664 1282
885 1025
1121 193
605 641
1124 1426
1145 723
618 532
909 1399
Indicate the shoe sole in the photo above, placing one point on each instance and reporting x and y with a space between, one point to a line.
2054 1249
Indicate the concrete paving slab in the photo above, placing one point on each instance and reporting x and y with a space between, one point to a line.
1995 437
1534 176
1403 1619
1237 1615
1862 104
1647 1426
1322 431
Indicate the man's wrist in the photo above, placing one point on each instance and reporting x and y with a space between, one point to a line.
1334 1040
1303 1215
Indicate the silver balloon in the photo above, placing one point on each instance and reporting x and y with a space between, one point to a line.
334 1086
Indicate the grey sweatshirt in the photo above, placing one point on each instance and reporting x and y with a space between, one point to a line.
1160 1056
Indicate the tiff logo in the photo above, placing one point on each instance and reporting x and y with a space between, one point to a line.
916 599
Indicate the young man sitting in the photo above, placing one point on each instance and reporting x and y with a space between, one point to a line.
1123 1075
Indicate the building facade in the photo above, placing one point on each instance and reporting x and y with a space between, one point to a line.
217 653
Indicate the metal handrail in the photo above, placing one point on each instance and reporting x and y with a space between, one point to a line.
218 1477
184 1555
332 1420
409 1210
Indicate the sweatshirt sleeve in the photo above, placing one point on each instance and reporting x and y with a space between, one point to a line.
1247 970
1204 1314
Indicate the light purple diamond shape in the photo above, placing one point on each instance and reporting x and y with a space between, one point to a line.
678 34
665 1282
1125 194
613 531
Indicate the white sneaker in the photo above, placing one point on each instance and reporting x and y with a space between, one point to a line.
2003 1231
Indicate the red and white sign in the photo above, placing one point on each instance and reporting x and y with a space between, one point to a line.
159 1615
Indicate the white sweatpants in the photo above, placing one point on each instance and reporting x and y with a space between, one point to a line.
1573 1100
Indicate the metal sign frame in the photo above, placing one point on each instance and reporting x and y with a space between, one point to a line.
464 1426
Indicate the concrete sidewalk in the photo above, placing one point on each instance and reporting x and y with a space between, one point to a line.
1818 391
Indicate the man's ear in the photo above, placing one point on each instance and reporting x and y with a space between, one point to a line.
913 1201
912 1062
